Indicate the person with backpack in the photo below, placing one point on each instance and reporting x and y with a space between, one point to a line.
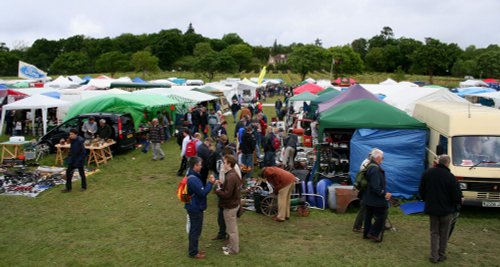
186 133
375 198
271 145
358 223
230 200
197 205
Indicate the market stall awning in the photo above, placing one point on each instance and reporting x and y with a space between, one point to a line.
354 92
308 87
303 97
366 113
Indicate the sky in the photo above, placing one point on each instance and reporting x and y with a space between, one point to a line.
258 22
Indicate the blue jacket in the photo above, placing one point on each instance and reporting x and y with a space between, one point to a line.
375 192
198 192
77 153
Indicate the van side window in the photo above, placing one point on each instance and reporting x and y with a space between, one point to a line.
442 148
71 124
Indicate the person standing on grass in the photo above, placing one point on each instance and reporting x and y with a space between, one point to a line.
247 148
198 204
283 183
203 151
235 107
229 194
375 198
156 139
278 105
76 160
441 193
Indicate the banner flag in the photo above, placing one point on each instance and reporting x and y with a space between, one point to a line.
261 75
29 71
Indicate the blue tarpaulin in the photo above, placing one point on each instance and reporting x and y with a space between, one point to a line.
87 78
404 157
3 86
53 94
472 90
138 80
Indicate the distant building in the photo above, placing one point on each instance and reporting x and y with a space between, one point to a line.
278 59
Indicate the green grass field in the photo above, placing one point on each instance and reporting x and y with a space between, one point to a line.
130 216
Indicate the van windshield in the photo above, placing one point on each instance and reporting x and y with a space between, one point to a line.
483 151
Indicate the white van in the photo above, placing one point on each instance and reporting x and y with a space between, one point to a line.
470 134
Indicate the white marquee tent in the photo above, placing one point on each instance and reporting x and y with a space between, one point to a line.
473 83
405 98
33 103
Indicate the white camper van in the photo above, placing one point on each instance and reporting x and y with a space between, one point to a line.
470 134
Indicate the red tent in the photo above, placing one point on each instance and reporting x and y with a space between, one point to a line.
490 80
308 87
15 95
345 81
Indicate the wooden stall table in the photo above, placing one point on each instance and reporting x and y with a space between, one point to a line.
61 151
100 153
12 150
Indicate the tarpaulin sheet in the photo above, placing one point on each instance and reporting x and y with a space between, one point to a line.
404 157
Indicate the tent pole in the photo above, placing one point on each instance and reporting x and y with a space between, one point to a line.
44 119
2 120
33 114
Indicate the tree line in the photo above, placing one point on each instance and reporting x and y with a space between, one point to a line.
173 49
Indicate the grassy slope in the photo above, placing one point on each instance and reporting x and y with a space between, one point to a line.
130 216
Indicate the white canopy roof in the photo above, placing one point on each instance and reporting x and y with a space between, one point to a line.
310 80
34 102
183 91
60 82
405 98
495 96
164 81
35 91
473 83
389 81
324 83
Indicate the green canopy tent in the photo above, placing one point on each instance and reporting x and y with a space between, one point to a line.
322 98
366 113
327 90
306 96
135 104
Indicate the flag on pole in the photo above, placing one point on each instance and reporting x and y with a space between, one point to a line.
261 75
29 71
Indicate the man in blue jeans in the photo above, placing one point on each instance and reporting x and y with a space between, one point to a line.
247 147
198 192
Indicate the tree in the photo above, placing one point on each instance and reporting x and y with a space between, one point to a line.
464 67
168 46
351 62
3 47
185 63
261 53
43 53
8 63
202 49
375 59
190 29
232 39
242 55
360 46
144 61
431 58
489 63
70 63
75 43
112 62
213 62
318 42
307 58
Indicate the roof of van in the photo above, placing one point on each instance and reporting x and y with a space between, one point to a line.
454 118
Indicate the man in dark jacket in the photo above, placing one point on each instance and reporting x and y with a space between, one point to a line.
76 160
235 107
247 148
104 131
277 106
204 152
198 192
441 193
375 198
269 149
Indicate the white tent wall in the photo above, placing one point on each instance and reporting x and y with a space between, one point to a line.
32 103
75 95
299 105
473 83
229 91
